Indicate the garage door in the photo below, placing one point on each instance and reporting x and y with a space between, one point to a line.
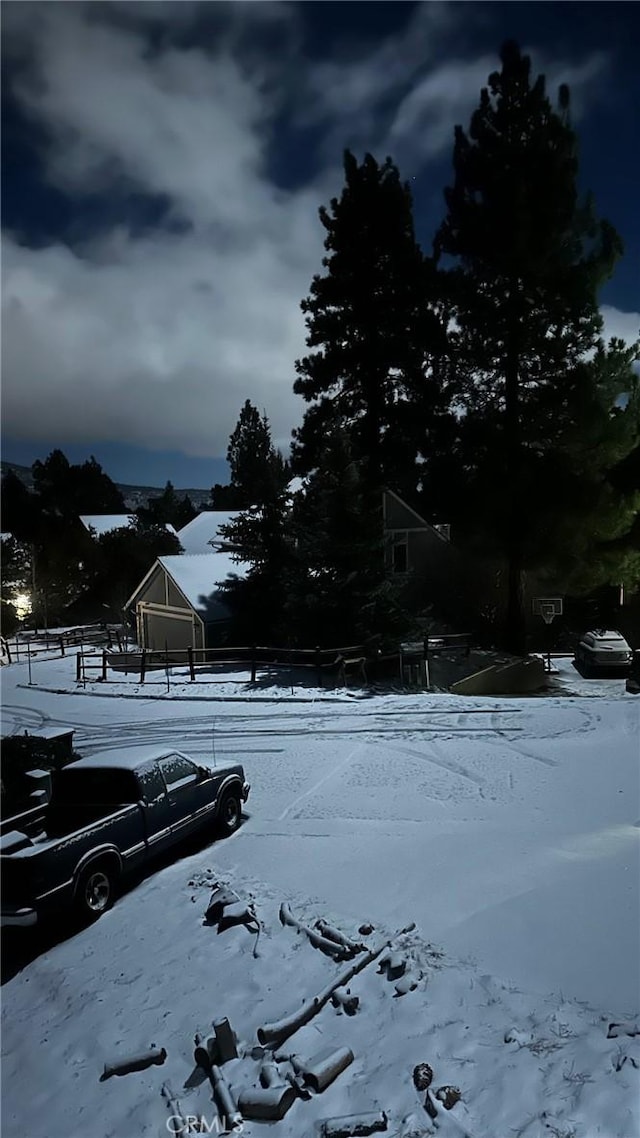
167 629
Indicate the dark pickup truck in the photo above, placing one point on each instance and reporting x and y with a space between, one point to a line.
106 816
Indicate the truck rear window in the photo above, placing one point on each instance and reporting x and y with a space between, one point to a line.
81 787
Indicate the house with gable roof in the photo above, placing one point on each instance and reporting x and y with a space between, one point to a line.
411 544
179 603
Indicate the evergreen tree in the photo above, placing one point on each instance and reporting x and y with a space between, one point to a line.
528 259
15 579
259 477
120 559
70 490
168 509
18 507
253 463
341 594
377 336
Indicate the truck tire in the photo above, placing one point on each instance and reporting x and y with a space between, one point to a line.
96 890
229 813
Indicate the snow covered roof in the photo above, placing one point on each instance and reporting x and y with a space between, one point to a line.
199 535
130 759
105 523
197 575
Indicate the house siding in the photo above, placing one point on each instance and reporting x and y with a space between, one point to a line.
175 597
155 589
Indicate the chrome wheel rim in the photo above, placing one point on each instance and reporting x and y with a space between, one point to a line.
97 892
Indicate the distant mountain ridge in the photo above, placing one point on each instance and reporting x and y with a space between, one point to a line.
134 496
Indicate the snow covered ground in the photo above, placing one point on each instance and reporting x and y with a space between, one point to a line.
506 829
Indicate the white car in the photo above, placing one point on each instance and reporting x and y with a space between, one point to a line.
603 648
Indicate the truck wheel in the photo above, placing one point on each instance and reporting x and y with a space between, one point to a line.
229 813
95 891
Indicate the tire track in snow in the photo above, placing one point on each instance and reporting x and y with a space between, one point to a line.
447 765
316 786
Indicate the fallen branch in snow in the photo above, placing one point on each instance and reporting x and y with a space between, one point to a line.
134 1063
330 933
220 898
629 1027
179 1124
321 1070
266 1104
226 1102
273 1034
354 1125
331 947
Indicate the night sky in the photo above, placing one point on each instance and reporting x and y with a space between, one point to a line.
162 168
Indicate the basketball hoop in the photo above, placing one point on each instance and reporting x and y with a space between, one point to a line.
547 612
547 608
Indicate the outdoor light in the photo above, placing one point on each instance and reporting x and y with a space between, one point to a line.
23 605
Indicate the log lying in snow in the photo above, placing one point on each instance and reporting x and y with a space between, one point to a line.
354 1125
266 1104
225 1040
205 1052
269 1075
238 913
320 1071
226 1102
131 1063
273 1034
330 933
325 944
179 1124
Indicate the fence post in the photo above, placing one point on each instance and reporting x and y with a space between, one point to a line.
318 666
62 645
7 649
166 662
192 673
253 665
78 667
104 666
29 658
400 666
143 662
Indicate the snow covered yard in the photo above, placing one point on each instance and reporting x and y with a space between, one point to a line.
506 829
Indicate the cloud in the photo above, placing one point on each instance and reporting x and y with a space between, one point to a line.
157 339
623 325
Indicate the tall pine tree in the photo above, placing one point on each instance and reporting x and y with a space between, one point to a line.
253 461
374 332
529 257
259 535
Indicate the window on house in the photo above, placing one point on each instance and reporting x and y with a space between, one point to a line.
400 554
